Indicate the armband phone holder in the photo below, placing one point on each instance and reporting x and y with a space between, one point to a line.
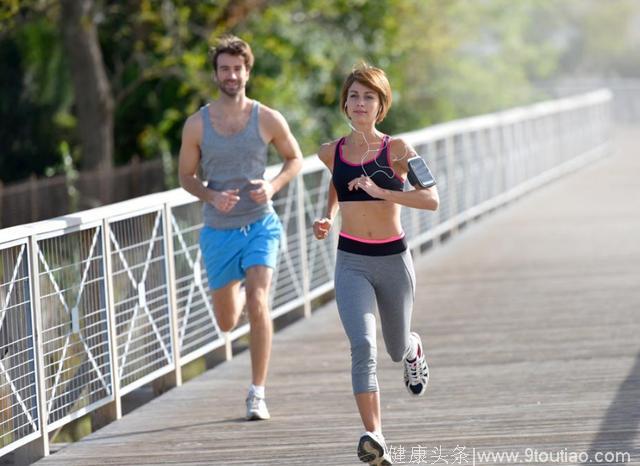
419 173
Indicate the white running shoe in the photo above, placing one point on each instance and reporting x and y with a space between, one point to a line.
257 408
416 371
373 450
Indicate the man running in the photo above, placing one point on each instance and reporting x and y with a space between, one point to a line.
228 139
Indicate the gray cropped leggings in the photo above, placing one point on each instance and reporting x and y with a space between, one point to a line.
361 282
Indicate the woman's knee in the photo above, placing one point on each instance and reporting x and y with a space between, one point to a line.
363 356
363 367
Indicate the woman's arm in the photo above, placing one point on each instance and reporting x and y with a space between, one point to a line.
322 226
418 198
332 202
422 198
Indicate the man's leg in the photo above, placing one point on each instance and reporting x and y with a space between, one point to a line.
221 252
258 262
258 284
227 305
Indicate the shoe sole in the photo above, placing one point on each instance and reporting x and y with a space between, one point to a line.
370 451
257 417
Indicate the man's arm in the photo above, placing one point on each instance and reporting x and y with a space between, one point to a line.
277 131
188 164
287 147
189 161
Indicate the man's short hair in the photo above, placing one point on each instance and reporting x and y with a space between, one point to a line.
231 45
373 78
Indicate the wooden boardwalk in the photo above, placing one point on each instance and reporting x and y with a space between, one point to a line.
531 320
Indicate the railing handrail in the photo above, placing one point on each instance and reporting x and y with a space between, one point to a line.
509 116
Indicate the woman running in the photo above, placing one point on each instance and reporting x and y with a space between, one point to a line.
373 265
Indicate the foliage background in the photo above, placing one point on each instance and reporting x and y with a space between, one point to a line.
445 59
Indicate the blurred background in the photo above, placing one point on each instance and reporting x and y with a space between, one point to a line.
93 94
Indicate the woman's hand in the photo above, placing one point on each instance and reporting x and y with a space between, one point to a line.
321 227
367 185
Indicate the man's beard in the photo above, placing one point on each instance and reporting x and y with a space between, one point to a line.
231 93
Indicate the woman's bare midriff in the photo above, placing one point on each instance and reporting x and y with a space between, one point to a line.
371 219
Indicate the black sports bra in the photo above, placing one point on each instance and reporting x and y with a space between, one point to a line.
378 169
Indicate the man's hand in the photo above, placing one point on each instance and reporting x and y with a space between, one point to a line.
321 227
263 193
224 201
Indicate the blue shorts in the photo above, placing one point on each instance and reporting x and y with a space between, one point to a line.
229 253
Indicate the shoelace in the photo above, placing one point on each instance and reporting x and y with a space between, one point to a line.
413 372
255 403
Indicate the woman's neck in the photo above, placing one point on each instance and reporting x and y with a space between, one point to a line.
361 137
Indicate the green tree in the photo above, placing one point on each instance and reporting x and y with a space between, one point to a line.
598 39
445 59
35 97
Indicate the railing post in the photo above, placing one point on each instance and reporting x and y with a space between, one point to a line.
415 230
113 410
451 170
39 447
173 378
506 157
228 348
555 142
533 144
517 155
302 234
433 163
523 151
525 159
176 376
493 142
467 161
513 155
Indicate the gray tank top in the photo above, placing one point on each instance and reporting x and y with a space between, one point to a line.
230 162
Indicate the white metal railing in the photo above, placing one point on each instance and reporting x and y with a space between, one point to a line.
95 304
626 93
